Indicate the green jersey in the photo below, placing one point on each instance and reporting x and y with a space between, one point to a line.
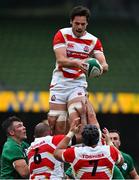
117 173
69 173
128 165
12 151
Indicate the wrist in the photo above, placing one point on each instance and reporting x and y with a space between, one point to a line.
70 134
110 143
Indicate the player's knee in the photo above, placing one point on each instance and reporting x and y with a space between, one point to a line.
57 119
57 116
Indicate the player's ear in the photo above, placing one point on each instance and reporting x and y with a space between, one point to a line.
71 22
11 132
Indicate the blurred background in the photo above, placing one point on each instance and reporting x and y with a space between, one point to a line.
27 28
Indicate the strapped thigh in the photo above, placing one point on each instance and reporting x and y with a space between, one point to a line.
61 115
72 107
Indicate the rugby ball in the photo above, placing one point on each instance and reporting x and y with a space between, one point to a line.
94 68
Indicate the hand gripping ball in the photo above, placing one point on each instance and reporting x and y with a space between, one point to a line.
94 68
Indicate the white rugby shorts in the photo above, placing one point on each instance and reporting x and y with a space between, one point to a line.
65 95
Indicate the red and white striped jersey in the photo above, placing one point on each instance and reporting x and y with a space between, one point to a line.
42 164
76 48
92 163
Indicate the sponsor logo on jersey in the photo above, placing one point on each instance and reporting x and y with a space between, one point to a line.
124 166
77 54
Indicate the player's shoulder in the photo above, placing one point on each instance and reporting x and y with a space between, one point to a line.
57 138
11 144
40 141
126 156
90 36
66 30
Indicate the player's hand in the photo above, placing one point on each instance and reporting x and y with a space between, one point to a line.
82 65
75 126
106 136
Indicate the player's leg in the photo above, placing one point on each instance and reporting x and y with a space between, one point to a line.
57 115
67 124
76 105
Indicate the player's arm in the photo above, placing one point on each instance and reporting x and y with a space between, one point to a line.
99 55
133 174
66 140
21 167
101 58
132 170
63 60
120 159
59 46
91 115
107 139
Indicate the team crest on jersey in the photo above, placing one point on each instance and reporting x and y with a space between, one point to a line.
70 45
53 98
86 48
124 166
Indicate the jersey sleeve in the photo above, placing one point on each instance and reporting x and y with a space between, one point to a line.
131 163
98 47
69 155
116 156
57 138
58 40
14 153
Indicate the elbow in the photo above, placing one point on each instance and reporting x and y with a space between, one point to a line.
24 174
59 62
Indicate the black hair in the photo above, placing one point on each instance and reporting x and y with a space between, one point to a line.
7 124
90 135
80 11
114 131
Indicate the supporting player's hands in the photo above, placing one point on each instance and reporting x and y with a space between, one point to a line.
75 126
106 136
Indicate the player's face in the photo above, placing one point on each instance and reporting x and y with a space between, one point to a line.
79 25
19 131
115 139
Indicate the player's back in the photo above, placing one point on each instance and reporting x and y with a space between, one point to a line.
42 163
94 163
